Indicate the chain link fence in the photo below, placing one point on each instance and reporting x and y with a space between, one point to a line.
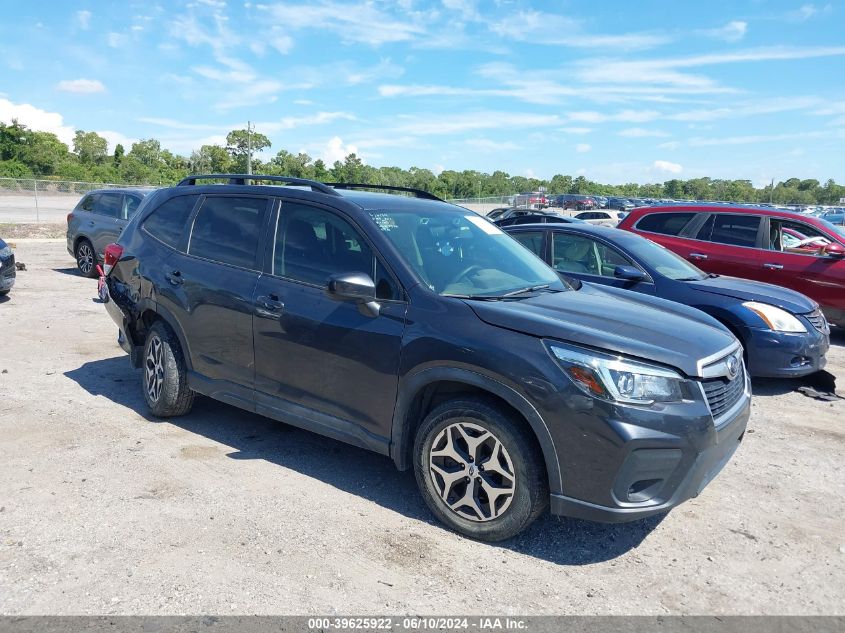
28 200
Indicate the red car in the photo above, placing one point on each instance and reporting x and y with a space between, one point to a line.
788 249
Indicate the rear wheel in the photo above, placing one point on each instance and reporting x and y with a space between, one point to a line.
86 258
479 470
165 377
3 293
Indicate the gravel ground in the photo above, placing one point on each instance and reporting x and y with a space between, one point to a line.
104 509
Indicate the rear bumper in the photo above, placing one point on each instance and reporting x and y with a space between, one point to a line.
785 354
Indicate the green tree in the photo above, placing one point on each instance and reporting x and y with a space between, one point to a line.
147 152
238 143
118 155
90 147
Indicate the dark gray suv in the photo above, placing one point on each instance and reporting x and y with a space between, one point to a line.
421 331
96 221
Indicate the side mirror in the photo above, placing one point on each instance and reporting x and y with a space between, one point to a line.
357 287
628 273
834 250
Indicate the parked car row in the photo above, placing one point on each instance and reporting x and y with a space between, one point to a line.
422 331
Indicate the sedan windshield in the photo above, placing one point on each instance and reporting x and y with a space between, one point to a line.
663 260
462 254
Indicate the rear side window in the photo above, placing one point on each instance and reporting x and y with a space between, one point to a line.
130 206
109 205
665 223
168 221
88 202
736 230
226 230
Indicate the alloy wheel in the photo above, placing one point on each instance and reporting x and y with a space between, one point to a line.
472 471
85 258
154 368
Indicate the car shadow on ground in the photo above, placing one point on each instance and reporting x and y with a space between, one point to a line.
71 270
353 470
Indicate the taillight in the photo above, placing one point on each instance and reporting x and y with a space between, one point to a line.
112 255
69 217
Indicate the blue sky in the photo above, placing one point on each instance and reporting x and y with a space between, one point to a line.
618 91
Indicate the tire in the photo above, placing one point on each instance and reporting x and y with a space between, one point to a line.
86 258
165 379
3 293
443 434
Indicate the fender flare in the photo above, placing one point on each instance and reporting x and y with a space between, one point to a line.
402 440
167 316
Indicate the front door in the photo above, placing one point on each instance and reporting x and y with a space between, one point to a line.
327 365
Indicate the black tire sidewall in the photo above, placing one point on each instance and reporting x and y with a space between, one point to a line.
175 398
531 494
93 272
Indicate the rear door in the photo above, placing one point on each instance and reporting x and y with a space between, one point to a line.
211 289
729 244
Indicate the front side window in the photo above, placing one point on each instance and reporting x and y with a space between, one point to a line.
579 254
532 240
796 237
227 228
167 222
665 223
459 253
736 230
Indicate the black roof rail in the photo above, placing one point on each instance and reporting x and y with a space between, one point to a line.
240 179
419 193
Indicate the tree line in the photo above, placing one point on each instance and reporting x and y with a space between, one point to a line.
27 153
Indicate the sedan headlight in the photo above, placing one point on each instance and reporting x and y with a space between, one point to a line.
616 378
775 318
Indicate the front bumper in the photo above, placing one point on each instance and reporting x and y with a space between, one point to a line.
785 354
622 462
7 273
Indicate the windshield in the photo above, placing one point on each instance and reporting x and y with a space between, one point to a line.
663 260
463 254
837 230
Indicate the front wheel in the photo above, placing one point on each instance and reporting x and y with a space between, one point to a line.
479 470
165 377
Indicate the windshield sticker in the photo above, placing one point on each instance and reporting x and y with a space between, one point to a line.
485 225
385 222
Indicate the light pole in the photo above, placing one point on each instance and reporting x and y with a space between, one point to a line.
249 147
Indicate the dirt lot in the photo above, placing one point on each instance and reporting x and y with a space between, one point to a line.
106 510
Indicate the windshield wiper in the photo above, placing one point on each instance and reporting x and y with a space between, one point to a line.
524 290
476 297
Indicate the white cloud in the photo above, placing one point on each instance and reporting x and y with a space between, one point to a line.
575 130
282 43
732 32
529 173
181 125
456 123
665 165
36 119
80 86
582 148
361 22
807 11
116 40
83 19
750 108
638 132
438 169
626 116
335 149
763 138
670 145
488 145
289 123
467 8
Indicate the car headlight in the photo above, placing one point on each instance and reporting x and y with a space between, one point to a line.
5 252
618 379
775 318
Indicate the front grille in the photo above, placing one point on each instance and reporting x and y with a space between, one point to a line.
723 393
817 320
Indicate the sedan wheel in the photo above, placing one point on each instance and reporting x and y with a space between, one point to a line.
85 258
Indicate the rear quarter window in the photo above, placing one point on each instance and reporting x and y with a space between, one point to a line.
664 223
167 223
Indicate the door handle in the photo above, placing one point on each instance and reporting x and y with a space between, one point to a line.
175 278
697 256
270 302
773 266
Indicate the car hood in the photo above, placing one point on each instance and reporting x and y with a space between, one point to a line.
747 290
617 321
